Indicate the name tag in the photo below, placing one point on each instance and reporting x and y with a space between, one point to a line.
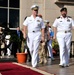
38 20
60 21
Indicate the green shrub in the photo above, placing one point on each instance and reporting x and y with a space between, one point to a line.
55 45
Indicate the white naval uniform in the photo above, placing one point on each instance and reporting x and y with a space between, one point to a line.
34 36
49 45
64 37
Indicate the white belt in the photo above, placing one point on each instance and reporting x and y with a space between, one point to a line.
65 31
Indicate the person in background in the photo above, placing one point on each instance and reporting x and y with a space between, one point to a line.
35 27
20 35
42 50
8 45
62 31
2 42
17 47
49 42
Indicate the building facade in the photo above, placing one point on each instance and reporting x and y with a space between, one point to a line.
13 12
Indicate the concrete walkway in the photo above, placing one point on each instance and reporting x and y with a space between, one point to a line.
51 67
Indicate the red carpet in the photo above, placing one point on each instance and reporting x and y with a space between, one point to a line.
13 69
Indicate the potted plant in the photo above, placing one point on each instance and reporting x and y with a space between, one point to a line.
22 55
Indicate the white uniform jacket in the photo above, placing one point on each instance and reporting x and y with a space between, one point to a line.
63 24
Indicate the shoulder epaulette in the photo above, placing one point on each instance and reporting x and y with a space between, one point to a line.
58 17
69 16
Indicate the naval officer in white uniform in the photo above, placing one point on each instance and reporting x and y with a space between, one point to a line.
35 27
62 30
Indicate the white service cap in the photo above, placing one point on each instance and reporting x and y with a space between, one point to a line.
34 7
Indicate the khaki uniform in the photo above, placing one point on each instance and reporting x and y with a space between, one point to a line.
43 50
43 53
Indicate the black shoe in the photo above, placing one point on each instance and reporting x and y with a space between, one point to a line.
62 66
67 65
49 57
29 60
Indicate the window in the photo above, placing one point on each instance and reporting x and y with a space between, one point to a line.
4 3
3 17
14 3
9 13
13 18
65 1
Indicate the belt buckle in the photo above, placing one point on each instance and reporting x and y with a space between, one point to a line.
65 31
33 31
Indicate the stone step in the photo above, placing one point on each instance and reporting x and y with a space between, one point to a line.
8 59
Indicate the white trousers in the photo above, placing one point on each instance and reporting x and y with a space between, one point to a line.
33 44
49 46
64 41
